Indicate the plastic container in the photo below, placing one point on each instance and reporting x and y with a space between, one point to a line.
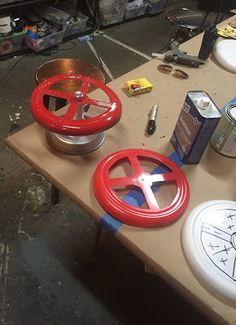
132 12
111 11
45 42
11 43
109 18
155 6
52 14
76 27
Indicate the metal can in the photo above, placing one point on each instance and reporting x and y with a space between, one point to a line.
195 126
224 137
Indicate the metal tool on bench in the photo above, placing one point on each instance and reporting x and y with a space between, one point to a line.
140 207
174 54
151 127
79 127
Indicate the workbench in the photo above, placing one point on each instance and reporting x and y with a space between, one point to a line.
214 177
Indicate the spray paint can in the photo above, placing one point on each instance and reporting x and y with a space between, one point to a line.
224 137
196 123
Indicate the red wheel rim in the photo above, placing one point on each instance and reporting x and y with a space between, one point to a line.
152 216
66 124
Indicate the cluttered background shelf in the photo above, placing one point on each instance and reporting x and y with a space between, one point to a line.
38 25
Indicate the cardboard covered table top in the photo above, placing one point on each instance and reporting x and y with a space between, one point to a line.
213 178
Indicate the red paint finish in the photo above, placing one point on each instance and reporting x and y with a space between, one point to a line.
153 216
67 124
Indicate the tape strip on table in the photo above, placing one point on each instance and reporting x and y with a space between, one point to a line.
135 197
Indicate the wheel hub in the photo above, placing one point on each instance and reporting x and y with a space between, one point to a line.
77 130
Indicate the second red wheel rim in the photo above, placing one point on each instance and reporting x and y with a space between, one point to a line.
151 215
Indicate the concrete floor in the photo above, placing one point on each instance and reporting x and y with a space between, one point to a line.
47 272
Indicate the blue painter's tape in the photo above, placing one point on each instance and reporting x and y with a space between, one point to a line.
110 223
135 198
174 157
233 101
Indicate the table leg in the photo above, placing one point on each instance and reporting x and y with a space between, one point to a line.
97 239
55 195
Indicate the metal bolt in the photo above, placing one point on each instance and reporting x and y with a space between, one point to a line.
78 94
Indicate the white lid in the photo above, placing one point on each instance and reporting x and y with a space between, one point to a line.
204 102
209 242
232 112
224 52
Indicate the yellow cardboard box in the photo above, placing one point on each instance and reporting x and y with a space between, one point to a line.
137 86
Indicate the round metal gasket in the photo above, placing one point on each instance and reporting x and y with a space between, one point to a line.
68 66
153 215
75 145
68 124
209 242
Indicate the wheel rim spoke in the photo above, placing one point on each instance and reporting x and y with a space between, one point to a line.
57 93
166 177
71 111
100 103
85 87
121 181
135 163
150 197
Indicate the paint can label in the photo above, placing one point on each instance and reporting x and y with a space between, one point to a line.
224 138
196 123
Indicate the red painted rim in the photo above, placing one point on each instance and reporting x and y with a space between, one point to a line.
129 214
66 124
